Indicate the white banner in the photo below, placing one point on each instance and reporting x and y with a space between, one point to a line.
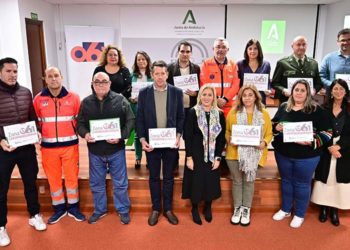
297 131
84 45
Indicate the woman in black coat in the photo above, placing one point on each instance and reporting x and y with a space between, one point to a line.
204 140
332 177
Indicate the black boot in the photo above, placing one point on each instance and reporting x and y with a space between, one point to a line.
207 211
333 214
195 214
323 214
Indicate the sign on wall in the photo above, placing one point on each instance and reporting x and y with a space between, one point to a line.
273 36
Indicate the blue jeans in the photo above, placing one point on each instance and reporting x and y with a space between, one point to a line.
296 176
98 171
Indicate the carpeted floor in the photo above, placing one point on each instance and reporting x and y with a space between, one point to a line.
263 233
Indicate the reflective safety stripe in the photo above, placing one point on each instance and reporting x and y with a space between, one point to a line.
72 191
60 139
73 200
57 193
61 201
58 118
218 85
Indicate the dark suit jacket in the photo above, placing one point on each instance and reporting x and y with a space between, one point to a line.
174 70
288 67
146 113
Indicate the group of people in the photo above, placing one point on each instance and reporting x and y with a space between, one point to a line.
224 100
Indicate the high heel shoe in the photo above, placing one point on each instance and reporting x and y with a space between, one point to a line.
333 214
323 214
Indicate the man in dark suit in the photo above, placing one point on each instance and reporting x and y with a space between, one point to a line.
297 65
160 106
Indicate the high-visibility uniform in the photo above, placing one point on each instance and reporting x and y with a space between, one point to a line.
59 142
223 77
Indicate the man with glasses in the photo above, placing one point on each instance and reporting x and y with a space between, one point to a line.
183 66
294 67
221 72
57 110
102 108
337 64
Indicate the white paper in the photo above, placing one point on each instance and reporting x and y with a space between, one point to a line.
105 129
297 131
345 77
187 82
137 86
21 134
162 137
260 81
246 135
292 80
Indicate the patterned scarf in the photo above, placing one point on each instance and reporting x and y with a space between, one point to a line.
214 130
249 156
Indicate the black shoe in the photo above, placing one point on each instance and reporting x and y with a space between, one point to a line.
333 214
207 214
323 214
153 218
137 164
195 216
171 217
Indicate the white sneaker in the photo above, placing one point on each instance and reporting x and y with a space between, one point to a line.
280 215
4 237
37 222
236 217
245 220
296 222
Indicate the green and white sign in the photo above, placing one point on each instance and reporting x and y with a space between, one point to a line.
273 36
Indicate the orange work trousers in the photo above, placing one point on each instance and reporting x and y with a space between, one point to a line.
58 162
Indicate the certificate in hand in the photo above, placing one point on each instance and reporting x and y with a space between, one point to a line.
260 81
21 134
187 82
162 137
137 86
246 135
105 129
297 131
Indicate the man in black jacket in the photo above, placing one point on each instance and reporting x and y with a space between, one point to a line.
16 107
107 106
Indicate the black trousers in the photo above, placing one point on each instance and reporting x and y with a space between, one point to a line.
25 158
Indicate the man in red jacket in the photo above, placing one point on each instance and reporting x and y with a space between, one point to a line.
57 110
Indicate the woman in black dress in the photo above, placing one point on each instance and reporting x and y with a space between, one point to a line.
204 136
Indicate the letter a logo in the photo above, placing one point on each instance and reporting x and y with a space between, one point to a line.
273 32
189 18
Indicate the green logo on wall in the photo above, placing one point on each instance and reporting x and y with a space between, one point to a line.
189 18
273 36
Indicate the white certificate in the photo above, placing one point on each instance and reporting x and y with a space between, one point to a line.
292 80
137 86
260 81
21 134
345 77
105 129
162 137
246 135
297 131
187 82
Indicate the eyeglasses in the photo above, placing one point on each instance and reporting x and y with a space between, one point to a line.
101 83
185 51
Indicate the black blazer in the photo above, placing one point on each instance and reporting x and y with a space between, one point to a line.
146 112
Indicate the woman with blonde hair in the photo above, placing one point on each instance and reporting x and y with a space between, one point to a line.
243 160
204 140
112 63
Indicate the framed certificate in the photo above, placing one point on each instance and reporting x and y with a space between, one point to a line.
292 80
260 81
137 86
187 82
105 129
246 135
21 134
162 137
297 131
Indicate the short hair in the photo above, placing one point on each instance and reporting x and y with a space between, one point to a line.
51 68
343 32
310 105
103 57
136 69
7 60
260 52
239 103
221 39
212 88
184 43
159 63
